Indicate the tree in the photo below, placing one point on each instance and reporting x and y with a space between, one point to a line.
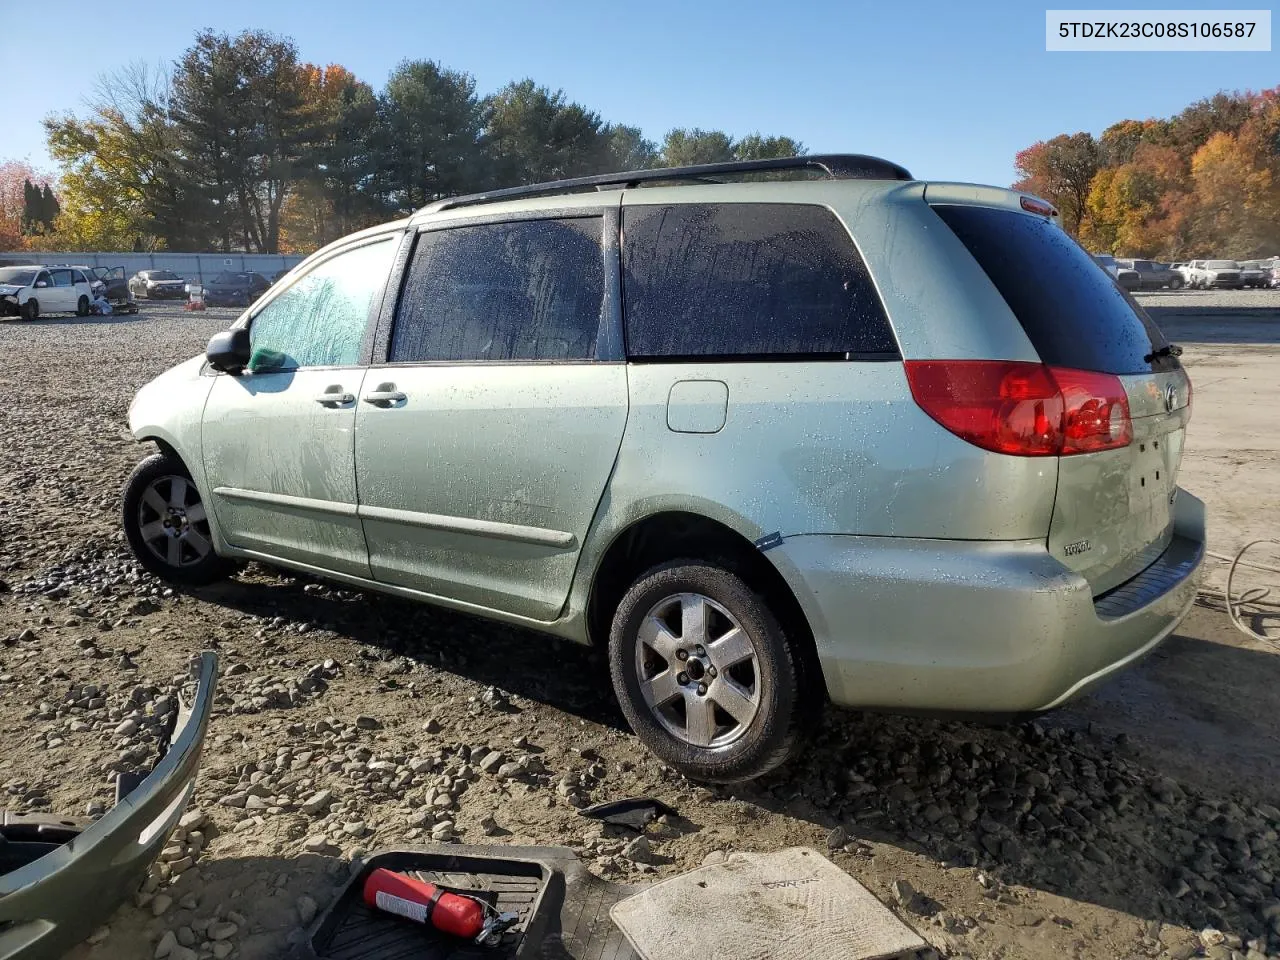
427 143
533 134
681 147
16 179
243 124
756 147
628 149
1060 170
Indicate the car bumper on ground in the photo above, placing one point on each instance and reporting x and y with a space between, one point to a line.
53 902
979 627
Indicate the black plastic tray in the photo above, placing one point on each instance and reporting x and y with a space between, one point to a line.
564 909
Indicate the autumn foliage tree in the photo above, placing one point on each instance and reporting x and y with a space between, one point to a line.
1060 170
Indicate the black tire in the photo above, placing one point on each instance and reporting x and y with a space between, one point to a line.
1175 283
82 307
31 309
772 734
193 568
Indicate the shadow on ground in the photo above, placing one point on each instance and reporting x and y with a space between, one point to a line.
1148 797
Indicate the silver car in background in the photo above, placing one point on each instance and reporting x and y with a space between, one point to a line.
857 438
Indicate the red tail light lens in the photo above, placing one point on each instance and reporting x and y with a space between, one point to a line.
1023 409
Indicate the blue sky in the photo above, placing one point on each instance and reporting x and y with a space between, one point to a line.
950 90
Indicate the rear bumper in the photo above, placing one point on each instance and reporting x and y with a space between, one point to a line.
979 627
54 902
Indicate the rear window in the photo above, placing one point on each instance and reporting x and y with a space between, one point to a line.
1074 314
747 281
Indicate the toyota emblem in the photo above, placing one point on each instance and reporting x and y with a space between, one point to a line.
1170 397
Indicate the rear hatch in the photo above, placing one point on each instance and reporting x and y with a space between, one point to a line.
1113 515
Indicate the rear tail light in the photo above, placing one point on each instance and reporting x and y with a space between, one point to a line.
1023 409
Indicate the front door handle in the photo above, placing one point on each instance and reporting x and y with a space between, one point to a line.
386 395
335 396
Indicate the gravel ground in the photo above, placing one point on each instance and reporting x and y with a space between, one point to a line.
348 721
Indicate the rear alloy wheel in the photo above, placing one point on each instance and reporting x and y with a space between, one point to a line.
704 673
167 526
31 310
82 307
1175 283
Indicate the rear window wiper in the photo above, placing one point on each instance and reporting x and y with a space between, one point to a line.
1168 350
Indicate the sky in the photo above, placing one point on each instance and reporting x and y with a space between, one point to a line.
950 90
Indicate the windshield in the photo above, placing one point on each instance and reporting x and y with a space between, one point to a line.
1221 265
164 275
21 276
1105 259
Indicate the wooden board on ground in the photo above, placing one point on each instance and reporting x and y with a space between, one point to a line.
794 904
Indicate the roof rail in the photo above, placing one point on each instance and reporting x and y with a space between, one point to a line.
835 166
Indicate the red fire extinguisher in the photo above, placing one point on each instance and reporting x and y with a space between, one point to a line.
453 913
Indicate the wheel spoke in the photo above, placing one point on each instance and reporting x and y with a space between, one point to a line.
693 619
195 512
655 635
153 530
153 500
197 542
734 647
177 492
700 720
660 689
173 552
733 699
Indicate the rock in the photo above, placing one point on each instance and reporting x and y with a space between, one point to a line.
366 722
1210 937
638 850
127 728
318 844
306 909
193 820
222 930
222 949
714 857
906 896
160 904
238 799
317 802
432 726
442 831
355 828
186 936
103 931
837 838
489 826
182 953
164 948
492 761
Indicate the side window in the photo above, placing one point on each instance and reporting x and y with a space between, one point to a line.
44 275
747 280
522 290
61 278
320 320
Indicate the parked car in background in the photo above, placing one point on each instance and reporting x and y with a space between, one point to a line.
230 289
30 291
1127 278
1254 273
1219 274
1152 275
920 469
110 283
1274 274
158 285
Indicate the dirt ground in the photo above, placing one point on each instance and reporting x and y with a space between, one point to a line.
1140 821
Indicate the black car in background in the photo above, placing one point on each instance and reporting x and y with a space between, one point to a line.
1152 275
158 285
235 289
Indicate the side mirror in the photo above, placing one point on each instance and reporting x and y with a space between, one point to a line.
41 283
228 351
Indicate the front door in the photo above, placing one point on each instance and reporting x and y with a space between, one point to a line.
278 439
61 295
485 442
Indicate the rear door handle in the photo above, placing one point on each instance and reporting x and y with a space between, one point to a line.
385 396
335 396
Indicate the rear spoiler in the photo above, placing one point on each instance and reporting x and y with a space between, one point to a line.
978 195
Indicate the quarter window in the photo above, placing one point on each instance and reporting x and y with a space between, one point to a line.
747 280
320 320
520 290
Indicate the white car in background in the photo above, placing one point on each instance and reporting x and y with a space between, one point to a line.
29 291
1214 274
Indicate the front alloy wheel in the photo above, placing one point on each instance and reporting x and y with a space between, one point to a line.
166 524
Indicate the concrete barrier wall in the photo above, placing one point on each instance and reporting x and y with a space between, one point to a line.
196 267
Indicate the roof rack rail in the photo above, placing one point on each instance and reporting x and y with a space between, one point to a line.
835 166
